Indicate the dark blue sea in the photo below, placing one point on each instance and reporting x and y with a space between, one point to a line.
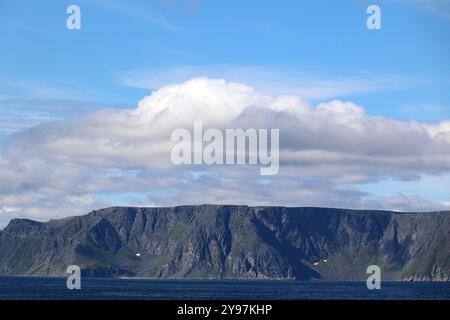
19 288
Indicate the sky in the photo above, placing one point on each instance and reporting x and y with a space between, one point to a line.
364 115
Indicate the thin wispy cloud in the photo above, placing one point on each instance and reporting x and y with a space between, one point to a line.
136 9
275 80
439 8
26 103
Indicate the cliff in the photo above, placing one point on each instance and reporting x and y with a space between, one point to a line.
232 242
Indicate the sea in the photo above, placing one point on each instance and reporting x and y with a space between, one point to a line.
45 288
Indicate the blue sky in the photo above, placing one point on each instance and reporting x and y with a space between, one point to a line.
319 50
321 40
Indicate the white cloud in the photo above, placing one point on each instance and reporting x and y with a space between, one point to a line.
59 168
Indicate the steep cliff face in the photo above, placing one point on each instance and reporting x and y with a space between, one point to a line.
236 242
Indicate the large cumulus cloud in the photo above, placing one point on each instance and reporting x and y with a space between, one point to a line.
62 168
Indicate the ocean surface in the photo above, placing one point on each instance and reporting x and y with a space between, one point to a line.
19 288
